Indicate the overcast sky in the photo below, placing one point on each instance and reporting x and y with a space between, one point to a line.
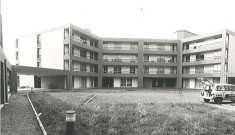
115 18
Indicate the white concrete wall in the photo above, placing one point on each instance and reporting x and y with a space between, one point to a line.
117 82
192 57
28 51
89 82
26 80
52 48
125 69
192 83
134 82
192 70
77 82
217 67
209 68
110 69
76 52
231 52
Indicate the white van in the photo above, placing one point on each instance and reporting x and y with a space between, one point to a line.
217 92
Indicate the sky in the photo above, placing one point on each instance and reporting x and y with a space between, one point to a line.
157 19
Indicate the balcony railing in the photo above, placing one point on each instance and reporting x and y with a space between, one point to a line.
206 58
121 48
84 70
121 60
202 72
158 49
120 72
84 41
87 57
66 53
159 72
200 45
161 61
66 37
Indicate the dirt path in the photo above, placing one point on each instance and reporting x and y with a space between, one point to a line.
17 117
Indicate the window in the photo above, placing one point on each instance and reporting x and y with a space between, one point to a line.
133 47
17 40
218 88
91 68
187 57
126 82
96 68
123 81
92 55
17 55
38 64
132 70
83 67
146 47
146 58
146 70
117 70
66 65
117 47
66 33
129 82
199 57
83 54
227 39
39 39
105 69
161 47
226 53
66 49
39 53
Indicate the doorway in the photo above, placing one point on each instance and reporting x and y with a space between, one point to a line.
107 82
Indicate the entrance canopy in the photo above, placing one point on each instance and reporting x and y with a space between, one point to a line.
25 70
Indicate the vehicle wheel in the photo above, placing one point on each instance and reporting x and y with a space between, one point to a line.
218 100
233 101
206 100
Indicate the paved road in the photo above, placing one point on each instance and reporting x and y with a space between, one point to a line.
17 117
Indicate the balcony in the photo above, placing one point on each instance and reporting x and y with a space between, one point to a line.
202 72
161 61
86 57
161 72
120 60
84 70
84 41
203 59
207 60
158 49
121 48
120 72
205 47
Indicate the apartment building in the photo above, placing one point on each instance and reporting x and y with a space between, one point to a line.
93 61
5 70
210 56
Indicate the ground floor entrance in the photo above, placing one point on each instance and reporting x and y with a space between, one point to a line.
159 82
107 81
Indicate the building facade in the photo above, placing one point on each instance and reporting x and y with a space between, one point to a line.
94 61
5 70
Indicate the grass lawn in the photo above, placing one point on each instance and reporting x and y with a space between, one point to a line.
133 112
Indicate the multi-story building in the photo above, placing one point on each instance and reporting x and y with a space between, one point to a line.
5 70
93 61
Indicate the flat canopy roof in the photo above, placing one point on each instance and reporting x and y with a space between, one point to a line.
38 71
